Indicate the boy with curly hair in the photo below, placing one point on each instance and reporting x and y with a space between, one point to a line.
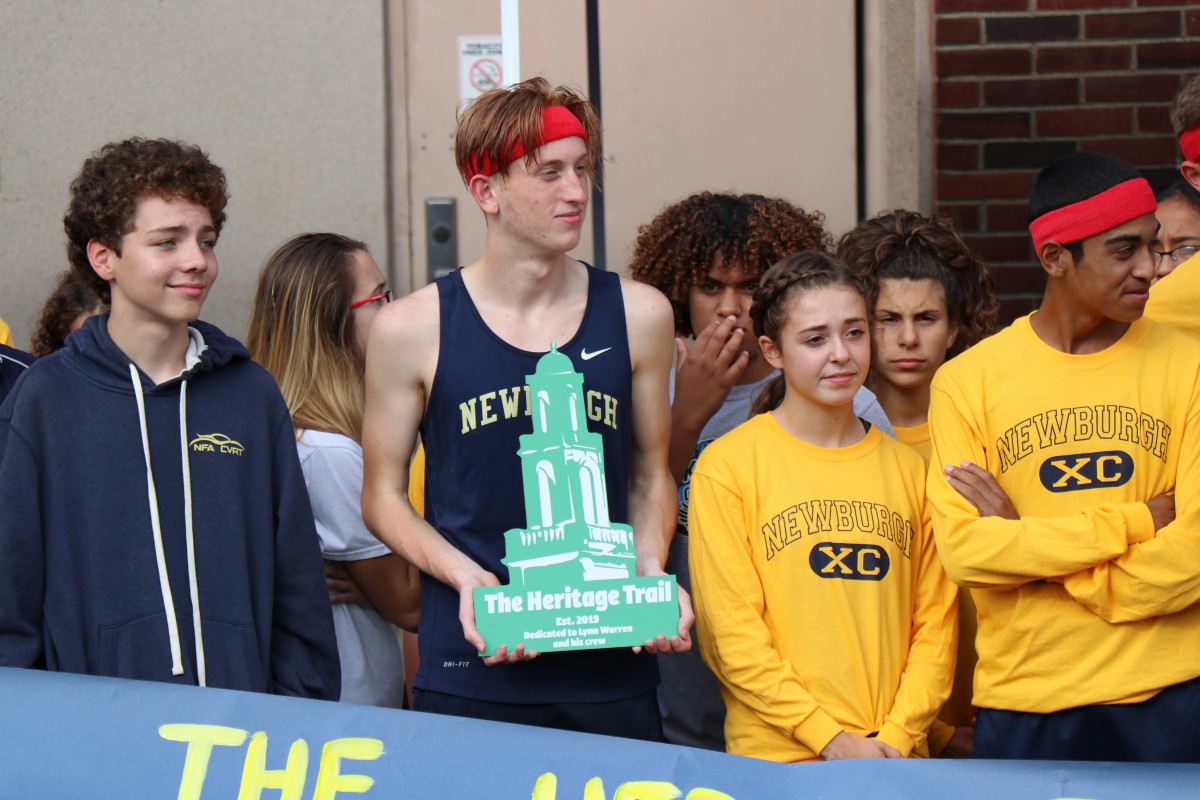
930 298
156 524
706 253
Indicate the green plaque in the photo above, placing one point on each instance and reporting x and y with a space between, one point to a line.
573 582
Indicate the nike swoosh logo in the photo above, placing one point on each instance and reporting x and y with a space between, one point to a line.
586 356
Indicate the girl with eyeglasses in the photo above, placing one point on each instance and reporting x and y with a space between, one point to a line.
1179 237
312 313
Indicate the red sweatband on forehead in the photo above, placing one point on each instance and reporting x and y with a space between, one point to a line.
1097 214
1189 143
557 123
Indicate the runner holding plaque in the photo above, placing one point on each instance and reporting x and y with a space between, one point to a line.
549 505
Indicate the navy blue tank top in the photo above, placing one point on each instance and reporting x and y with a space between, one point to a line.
477 409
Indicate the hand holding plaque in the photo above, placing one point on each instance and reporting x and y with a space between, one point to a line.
573 582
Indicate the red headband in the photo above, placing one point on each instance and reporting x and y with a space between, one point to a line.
557 123
1189 143
1112 207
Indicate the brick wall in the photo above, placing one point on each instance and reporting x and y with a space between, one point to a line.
1022 82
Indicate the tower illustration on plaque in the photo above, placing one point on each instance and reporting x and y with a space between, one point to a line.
572 569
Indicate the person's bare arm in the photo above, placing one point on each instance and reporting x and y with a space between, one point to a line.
401 359
392 585
652 498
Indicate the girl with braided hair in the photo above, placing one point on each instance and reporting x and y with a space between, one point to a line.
821 605
707 253
931 298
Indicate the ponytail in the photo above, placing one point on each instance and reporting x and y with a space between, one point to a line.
770 396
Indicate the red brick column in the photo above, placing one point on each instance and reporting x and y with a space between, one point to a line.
1022 82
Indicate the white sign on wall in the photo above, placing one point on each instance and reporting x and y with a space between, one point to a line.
479 65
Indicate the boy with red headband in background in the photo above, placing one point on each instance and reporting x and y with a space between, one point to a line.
1085 415
528 156
1176 297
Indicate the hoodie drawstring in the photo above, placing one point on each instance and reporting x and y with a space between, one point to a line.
164 583
193 584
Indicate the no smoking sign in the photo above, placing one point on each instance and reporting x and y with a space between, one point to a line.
479 65
485 74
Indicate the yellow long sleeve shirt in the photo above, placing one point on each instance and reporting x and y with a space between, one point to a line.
1080 602
1175 300
916 437
821 606
958 709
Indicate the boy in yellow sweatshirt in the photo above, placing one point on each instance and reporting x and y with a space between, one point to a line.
1082 418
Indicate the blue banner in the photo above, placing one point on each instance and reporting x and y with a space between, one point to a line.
72 736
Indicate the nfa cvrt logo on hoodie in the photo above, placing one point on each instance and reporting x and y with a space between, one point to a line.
216 443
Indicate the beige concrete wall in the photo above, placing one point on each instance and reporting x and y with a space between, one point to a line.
288 96
708 94
697 94
424 59
554 45
319 127
427 55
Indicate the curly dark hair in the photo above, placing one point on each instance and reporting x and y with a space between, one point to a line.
679 246
799 272
105 195
905 244
70 298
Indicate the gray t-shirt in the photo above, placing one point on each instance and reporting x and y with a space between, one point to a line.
370 654
689 696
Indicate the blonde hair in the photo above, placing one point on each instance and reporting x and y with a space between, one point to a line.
302 332
496 120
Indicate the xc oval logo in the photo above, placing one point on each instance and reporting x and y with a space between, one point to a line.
1086 471
851 562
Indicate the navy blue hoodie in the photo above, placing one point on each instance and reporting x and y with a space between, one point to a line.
87 571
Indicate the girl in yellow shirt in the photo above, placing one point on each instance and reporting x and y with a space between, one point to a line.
823 609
